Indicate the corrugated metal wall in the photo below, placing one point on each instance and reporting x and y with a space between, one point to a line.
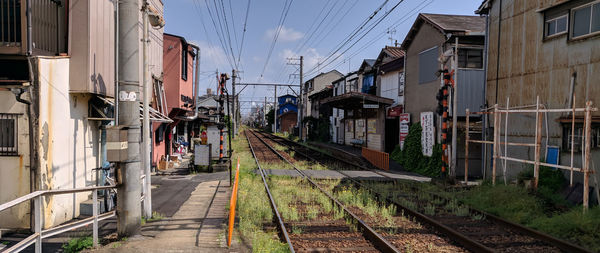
470 90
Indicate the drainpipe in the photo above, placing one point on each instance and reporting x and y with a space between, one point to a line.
32 167
197 83
29 27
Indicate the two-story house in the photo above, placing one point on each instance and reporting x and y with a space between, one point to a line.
431 36
312 86
549 49
56 88
287 113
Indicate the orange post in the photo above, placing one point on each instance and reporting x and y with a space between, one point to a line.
232 203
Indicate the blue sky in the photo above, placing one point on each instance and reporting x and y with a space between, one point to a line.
299 35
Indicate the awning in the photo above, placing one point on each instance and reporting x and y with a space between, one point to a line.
355 100
155 115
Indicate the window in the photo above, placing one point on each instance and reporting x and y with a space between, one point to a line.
470 58
368 81
579 134
586 20
428 65
8 134
184 62
556 26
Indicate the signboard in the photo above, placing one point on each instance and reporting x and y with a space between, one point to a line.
395 111
202 155
404 120
370 106
427 136
372 126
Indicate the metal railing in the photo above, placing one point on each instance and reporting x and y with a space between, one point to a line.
39 233
378 159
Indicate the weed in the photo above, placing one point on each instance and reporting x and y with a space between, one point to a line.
461 211
296 230
430 210
478 216
78 244
116 245
5 242
312 212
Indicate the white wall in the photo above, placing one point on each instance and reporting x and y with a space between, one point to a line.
14 170
68 148
389 85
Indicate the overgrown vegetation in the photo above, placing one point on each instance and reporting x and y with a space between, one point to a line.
253 207
412 158
78 244
318 128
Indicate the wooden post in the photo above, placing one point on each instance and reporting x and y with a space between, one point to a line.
538 144
496 154
586 164
467 147
572 140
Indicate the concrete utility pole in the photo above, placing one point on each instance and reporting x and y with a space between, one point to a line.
454 111
264 121
129 187
275 112
300 98
146 121
234 115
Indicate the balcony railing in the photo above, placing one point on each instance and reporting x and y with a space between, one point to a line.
48 22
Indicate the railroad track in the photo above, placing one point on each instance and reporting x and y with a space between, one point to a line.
327 234
398 232
476 230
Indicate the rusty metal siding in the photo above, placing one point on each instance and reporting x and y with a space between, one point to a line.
470 91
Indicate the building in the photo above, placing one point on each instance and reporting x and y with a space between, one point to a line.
363 108
431 36
178 83
549 49
313 85
390 83
56 96
287 113
340 86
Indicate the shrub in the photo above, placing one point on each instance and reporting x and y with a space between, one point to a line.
78 244
553 179
412 158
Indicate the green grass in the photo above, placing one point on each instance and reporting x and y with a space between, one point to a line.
253 207
78 244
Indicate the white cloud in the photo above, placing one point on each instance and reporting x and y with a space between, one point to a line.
211 57
311 58
285 35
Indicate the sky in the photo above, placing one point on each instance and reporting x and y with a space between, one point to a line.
321 31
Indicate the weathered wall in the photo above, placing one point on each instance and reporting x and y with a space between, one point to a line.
15 170
389 85
175 86
531 66
68 146
420 97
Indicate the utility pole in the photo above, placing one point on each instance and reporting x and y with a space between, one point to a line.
300 98
264 121
146 120
454 111
275 112
234 115
129 188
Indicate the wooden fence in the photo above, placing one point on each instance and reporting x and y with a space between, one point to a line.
378 159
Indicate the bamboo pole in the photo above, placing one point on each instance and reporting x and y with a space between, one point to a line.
496 141
572 140
538 141
586 165
467 148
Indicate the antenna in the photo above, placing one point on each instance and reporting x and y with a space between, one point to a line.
391 32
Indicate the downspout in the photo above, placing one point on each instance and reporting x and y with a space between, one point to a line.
197 81
485 75
29 27
32 167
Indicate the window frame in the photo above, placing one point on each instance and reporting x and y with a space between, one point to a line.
14 150
572 20
467 59
184 62
566 15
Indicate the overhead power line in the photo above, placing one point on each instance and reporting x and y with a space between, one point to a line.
284 13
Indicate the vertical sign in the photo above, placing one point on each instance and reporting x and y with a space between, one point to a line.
427 136
404 120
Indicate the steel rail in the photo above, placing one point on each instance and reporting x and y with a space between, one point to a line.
457 236
271 200
369 233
